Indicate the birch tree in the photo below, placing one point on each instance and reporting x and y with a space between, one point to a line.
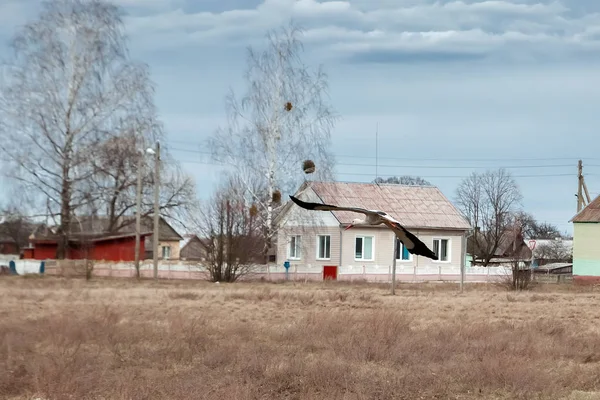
283 119
69 87
489 201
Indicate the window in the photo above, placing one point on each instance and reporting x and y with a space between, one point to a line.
323 247
166 252
441 249
294 249
363 248
402 253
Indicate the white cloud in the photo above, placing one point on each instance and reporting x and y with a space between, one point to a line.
350 27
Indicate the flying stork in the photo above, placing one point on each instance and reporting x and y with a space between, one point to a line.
373 218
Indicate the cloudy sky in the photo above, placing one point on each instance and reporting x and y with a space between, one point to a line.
454 86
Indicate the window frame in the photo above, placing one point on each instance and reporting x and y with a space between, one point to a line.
318 247
448 249
363 247
401 249
297 246
167 257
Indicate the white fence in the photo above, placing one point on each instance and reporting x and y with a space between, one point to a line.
22 266
189 270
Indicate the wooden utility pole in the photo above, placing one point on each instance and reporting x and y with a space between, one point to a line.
138 218
156 206
581 188
394 265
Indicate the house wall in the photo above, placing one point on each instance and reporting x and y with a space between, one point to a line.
46 251
174 245
113 250
586 251
8 248
116 250
192 251
308 245
383 247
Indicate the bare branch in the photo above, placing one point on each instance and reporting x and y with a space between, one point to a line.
269 140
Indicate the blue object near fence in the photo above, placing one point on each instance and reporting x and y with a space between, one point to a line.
286 265
13 267
42 267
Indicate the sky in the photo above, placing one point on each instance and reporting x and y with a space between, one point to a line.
451 87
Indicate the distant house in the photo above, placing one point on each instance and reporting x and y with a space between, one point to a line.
586 239
8 245
191 248
91 237
319 239
551 251
512 247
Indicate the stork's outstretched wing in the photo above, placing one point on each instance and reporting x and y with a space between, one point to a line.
328 207
412 243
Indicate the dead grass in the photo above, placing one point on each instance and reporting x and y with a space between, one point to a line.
119 339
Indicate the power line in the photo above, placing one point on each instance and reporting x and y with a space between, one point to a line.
574 158
465 176
423 166
422 176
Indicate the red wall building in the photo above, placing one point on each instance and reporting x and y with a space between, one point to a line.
108 248
8 246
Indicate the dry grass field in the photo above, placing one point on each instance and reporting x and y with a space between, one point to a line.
117 339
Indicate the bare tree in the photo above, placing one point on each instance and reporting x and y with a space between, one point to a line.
230 234
404 180
554 251
15 225
488 201
537 230
282 120
69 87
115 183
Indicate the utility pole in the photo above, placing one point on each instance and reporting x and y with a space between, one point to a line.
581 187
394 265
156 206
138 218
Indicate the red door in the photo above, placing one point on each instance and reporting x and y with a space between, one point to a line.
330 272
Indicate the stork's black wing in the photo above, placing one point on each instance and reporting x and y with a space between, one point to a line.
412 243
328 207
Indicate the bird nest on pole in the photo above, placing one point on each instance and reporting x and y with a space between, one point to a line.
308 166
276 197
288 106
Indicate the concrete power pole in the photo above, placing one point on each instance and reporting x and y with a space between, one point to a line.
156 206
394 265
581 187
138 218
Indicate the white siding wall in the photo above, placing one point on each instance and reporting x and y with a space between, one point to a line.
383 242
384 247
